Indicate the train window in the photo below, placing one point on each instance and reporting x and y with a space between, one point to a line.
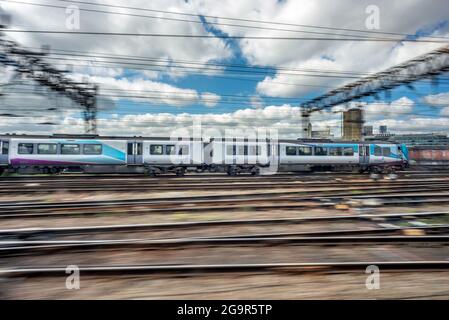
320 151
377 151
241 150
230 150
386 151
70 149
255 151
156 149
170 149
47 148
290 151
183 150
335 151
130 148
5 147
92 149
25 148
348 151
305 151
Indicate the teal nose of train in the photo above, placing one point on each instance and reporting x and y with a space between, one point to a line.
404 152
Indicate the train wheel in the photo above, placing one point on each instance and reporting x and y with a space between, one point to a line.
54 170
232 171
255 171
180 172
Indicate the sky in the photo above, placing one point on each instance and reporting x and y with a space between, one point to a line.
226 78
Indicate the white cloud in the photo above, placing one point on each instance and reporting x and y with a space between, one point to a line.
444 111
286 119
139 89
164 49
256 102
441 99
336 55
210 99
400 107
415 124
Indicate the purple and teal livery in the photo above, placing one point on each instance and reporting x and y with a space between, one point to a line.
109 156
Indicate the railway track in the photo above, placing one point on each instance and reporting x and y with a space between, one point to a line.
231 202
181 186
176 184
215 268
329 191
29 232
305 239
46 244
430 170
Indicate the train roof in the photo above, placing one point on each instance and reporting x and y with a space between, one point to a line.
333 141
88 136
93 136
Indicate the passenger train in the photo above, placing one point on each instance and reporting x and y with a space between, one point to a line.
58 153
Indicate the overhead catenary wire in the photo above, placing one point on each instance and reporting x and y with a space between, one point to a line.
207 36
441 81
312 73
190 21
201 63
247 20
267 69
197 96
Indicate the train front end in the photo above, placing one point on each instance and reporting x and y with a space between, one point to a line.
404 155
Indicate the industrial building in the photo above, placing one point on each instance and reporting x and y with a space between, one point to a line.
368 130
352 124
414 139
322 134
430 139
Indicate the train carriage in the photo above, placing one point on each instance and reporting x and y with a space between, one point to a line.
300 156
297 155
52 154
162 155
235 156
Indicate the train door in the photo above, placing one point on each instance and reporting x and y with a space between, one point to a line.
4 152
272 161
134 152
363 154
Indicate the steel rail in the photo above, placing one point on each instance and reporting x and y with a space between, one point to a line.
124 186
242 267
65 246
29 211
191 224
277 196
